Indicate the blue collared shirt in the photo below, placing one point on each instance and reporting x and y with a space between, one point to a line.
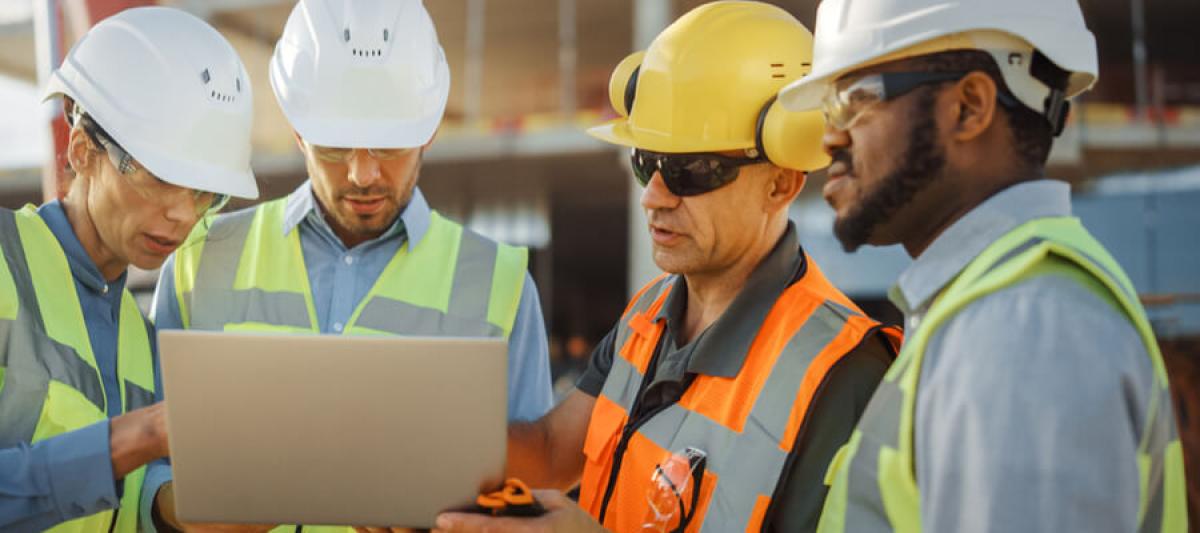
340 278
1029 412
70 476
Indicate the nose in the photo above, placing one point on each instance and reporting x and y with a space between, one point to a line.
364 169
181 205
834 139
656 195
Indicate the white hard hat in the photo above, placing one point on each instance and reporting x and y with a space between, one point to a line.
171 91
852 34
361 74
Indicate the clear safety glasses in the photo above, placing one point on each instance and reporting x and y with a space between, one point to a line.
142 180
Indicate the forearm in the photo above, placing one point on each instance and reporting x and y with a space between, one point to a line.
531 457
58 479
548 453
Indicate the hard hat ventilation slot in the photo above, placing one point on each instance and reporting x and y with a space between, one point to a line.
385 35
346 34
778 75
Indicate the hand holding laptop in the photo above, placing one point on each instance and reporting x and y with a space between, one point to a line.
562 516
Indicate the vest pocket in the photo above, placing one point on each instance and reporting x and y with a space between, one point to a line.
603 430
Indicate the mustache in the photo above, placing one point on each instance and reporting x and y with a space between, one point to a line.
369 191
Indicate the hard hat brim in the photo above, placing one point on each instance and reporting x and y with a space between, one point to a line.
805 94
619 132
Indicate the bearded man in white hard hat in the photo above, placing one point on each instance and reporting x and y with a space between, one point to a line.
159 109
356 249
1030 394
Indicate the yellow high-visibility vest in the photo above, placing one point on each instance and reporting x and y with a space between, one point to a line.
873 483
49 381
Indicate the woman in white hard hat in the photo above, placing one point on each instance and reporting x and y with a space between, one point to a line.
160 109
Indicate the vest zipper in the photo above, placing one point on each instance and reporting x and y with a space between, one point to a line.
619 455
631 427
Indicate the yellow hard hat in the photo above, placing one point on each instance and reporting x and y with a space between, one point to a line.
708 83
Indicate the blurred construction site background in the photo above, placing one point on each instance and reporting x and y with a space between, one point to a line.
512 162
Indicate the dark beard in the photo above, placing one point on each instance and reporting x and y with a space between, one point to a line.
921 165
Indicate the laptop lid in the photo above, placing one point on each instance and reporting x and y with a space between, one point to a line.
305 429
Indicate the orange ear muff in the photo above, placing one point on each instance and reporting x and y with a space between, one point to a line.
622 86
790 139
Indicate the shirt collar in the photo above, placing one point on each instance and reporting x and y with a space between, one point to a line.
413 221
81 264
967 237
722 349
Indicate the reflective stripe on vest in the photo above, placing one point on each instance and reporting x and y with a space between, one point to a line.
873 483
245 274
49 381
747 425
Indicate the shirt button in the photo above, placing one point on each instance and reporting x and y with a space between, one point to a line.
338 327
104 289
349 260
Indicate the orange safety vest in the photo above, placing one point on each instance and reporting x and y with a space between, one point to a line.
747 425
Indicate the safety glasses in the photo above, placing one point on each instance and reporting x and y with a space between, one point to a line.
689 174
674 492
847 100
142 180
330 154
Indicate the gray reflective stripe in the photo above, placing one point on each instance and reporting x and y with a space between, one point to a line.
403 318
210 307
623 381
1162 432
879 427
842 311
25 384
773 407
30 357
749 464
622 384
624 331
217 307
136 397
471 292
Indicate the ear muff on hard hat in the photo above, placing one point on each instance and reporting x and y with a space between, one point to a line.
622 85
786 138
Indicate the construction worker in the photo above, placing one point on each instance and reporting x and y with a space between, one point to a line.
720 397
1030 394
159 110
356 249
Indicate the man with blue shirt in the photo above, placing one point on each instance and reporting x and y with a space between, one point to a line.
152 148
1030 394
356 249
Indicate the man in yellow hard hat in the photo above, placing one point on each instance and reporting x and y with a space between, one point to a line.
720 397
1030 394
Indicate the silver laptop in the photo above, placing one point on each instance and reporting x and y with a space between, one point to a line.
365 431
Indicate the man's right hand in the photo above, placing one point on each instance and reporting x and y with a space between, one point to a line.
562 516
138 437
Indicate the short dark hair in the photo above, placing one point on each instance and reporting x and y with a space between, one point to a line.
1031 132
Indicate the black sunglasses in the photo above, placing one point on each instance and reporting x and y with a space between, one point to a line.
689 174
